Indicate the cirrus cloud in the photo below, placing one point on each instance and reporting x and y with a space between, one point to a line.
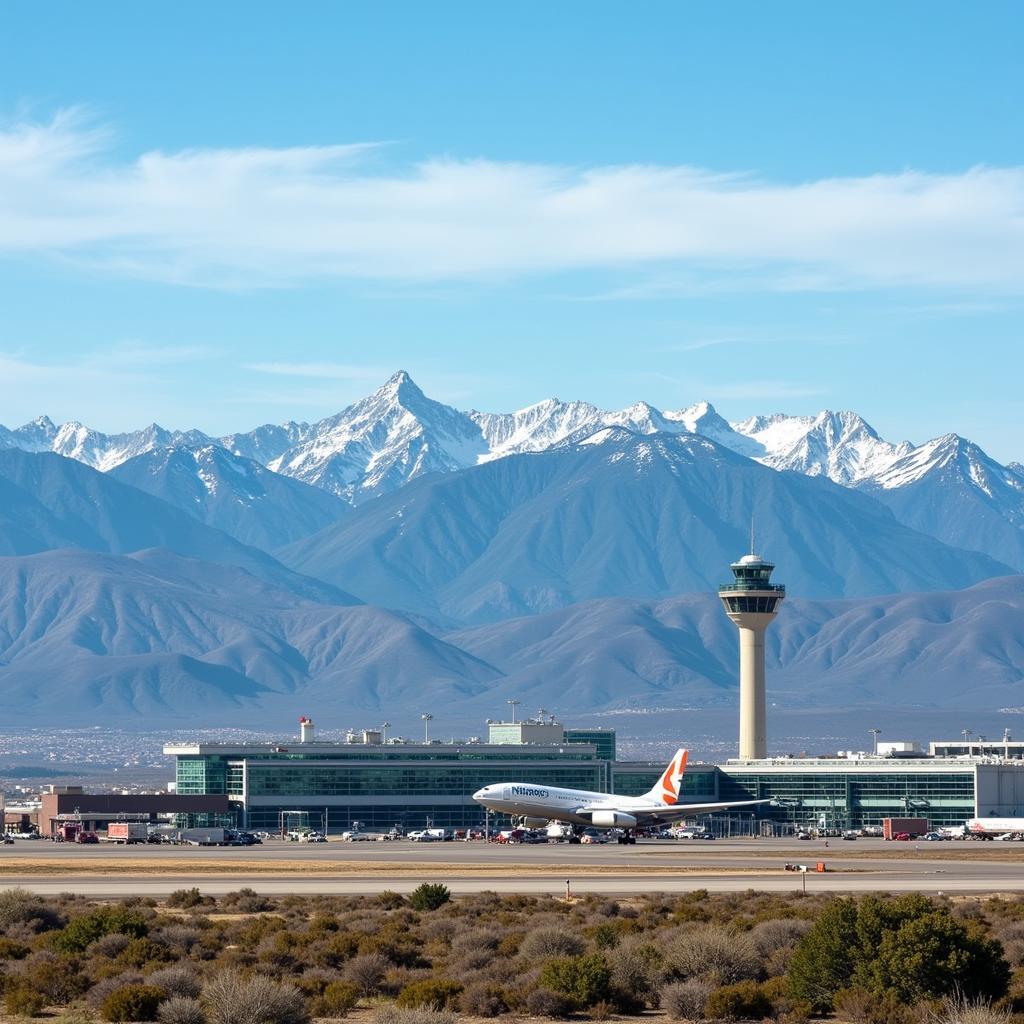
255 217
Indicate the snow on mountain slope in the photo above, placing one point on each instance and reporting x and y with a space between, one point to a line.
952 490
380 443
237 495
92 636
398 434
619 514
839 445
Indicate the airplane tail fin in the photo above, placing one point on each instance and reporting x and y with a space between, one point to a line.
666 789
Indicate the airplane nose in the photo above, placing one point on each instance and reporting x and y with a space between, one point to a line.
480 794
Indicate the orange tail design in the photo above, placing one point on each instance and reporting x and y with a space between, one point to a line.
670 782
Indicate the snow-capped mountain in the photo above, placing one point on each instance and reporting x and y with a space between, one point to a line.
380 443
233 494
618 514
839 445
398 434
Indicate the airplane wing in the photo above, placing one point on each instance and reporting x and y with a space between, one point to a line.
654 814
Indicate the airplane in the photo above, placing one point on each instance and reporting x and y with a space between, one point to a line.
537 805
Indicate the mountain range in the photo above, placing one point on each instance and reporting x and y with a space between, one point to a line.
947 487
405 550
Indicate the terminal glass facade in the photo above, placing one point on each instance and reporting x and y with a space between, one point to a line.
847 798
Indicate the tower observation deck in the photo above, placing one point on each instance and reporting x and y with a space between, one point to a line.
751 601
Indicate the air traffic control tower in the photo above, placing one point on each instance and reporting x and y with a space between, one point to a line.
752 602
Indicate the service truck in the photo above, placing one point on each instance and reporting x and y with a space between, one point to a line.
912 827
127 833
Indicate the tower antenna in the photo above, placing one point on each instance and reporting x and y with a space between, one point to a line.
751 534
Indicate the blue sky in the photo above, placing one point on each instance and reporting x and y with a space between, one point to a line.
220 215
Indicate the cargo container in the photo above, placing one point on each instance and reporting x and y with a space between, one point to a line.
127 832
207 836
913 827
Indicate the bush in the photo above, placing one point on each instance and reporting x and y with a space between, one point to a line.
434 993
483 1000
542 1002
185 899
21 907
22 1001
390 900
11 950
367 971
176 980
584 979
132 1003
337 998
55 978
960 1010
685 1000
81 931
429 896
745 1000
906 948
547 943
391 1014
181 1010
713 953
231 998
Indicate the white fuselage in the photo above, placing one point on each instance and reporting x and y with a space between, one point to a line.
552 802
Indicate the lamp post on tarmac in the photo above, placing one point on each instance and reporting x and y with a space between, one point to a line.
513 704
426 726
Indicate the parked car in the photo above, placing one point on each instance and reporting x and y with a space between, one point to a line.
935 837
902 837
592 835
851 833
354 837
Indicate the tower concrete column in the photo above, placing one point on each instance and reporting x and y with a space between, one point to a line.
751 602
753 727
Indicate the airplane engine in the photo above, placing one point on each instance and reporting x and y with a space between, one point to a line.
613 819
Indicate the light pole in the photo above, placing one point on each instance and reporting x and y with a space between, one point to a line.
384 730
874 737
513 704
426 727
965 733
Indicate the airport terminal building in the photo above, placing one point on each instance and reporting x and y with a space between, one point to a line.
331 785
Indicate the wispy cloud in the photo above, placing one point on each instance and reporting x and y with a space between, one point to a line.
260 216
334 371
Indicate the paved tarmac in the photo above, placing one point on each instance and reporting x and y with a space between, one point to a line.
650 866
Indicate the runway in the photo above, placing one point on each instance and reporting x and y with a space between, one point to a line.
278 868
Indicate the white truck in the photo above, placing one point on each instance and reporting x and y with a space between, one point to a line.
126 833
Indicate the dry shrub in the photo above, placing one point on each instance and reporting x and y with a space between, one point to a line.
685 1000
181 936
367 971
542 1002
176 980
435 993
181 1010
475 940
56 978
636 968
21 1000
548 943
483 1000
959 1010
21 907
713 953
111 946
132 1003
391 1014
96 996
337 998
232 998
768 936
